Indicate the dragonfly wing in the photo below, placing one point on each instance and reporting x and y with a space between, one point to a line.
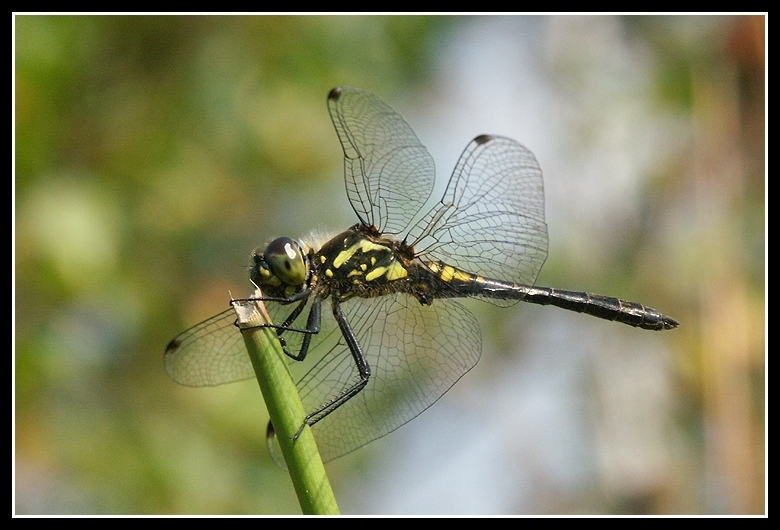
208 354
490 220
416 353
213 352
388 173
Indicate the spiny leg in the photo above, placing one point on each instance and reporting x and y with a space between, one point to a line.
364 371
312 323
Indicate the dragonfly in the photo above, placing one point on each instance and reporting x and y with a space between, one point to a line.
371 317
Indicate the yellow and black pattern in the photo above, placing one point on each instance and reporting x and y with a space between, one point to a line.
372 313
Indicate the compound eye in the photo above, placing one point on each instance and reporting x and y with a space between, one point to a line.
285 259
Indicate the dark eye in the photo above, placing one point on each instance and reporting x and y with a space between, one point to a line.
285 259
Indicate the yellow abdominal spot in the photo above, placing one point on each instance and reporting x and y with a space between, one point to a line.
447 273
462 276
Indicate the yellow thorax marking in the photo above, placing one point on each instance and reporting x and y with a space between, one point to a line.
396 271
363 245
375 273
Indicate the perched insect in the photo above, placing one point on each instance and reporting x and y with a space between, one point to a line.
393 338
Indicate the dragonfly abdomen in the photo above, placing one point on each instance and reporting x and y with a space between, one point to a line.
461 283
606 307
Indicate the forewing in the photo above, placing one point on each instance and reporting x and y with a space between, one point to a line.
208 354
490 220
388 173
416 353
213 352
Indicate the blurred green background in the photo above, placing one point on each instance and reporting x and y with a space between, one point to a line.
154 153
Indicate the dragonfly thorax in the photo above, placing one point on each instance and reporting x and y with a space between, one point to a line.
354 263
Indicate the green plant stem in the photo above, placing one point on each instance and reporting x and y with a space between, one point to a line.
286 411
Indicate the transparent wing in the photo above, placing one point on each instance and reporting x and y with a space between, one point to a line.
213 352
388 173
490 220
416 353
208 354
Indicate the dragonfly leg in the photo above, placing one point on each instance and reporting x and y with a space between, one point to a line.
312 327
364 371
312 322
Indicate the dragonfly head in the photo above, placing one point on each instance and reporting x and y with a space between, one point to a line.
283 263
